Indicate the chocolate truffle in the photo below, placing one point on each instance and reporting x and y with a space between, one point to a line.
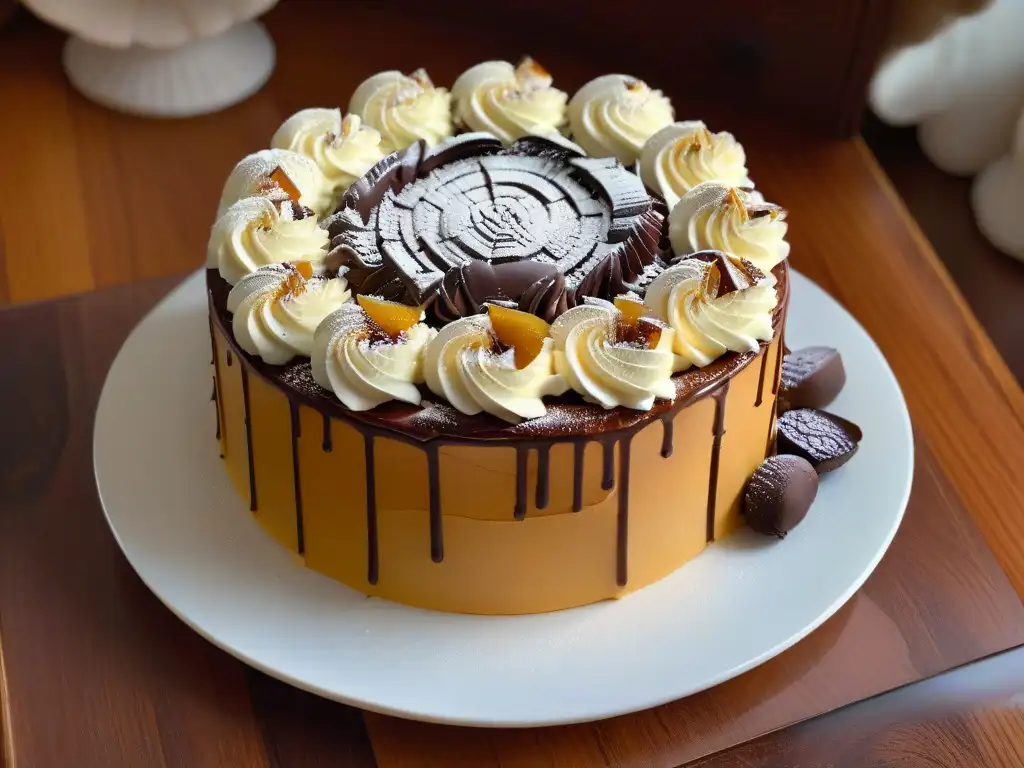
779 494
812 377
825 440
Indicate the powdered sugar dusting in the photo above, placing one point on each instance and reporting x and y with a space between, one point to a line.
434 416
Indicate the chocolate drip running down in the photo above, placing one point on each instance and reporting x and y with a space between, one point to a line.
296 430
613 429
537 224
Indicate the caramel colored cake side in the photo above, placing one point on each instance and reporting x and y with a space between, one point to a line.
502 377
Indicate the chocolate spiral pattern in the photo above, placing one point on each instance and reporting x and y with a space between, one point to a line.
537 224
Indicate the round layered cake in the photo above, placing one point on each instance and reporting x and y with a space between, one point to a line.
461 364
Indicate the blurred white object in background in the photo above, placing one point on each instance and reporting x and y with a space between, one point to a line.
997 197
163 58
964 88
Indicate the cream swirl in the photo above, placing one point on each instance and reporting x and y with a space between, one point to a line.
251 177
276 309
363 367
605 370
462 366
681 155
708 321
509 102
716 216
613 115
404 108
258 231
343 149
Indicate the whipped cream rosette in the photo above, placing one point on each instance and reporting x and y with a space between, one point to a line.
403 108
366 358
682 155
509 102
720 217
614 115
716 303
258 231
613 358
260 174
342 148
470 366
277 308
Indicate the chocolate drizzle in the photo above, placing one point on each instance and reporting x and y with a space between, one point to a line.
578 450
436 523
372 553
780 351
543 476
716 450
622 526
327 445
300 535
760 379
522 456
667 425
608 465
593 425
777 378
216 377
248 435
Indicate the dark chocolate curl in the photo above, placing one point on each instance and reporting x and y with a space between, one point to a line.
547 298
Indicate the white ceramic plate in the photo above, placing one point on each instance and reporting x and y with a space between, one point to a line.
192 540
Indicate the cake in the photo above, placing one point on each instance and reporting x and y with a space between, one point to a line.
496 350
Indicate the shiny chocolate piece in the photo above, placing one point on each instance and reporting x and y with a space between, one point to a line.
734 273
827 441
532 286
779 495
469 222
812 377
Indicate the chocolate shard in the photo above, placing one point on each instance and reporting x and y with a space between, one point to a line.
759 209
734 273
554 148
367 191
825 440
623 190
459 147
812 377
779 494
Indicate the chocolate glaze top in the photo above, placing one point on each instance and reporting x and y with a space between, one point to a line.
568 416
537 224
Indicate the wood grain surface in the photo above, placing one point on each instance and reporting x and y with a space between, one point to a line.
991 281
966 718
99 674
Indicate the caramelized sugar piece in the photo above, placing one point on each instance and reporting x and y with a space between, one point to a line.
280 179
631 307
524 332
530 67
634 327
649 331
392 318
294 282
732 197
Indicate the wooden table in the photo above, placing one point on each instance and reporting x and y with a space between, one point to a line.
97 673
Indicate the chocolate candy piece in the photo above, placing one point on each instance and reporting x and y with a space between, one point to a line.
812 377
827 441
779 494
